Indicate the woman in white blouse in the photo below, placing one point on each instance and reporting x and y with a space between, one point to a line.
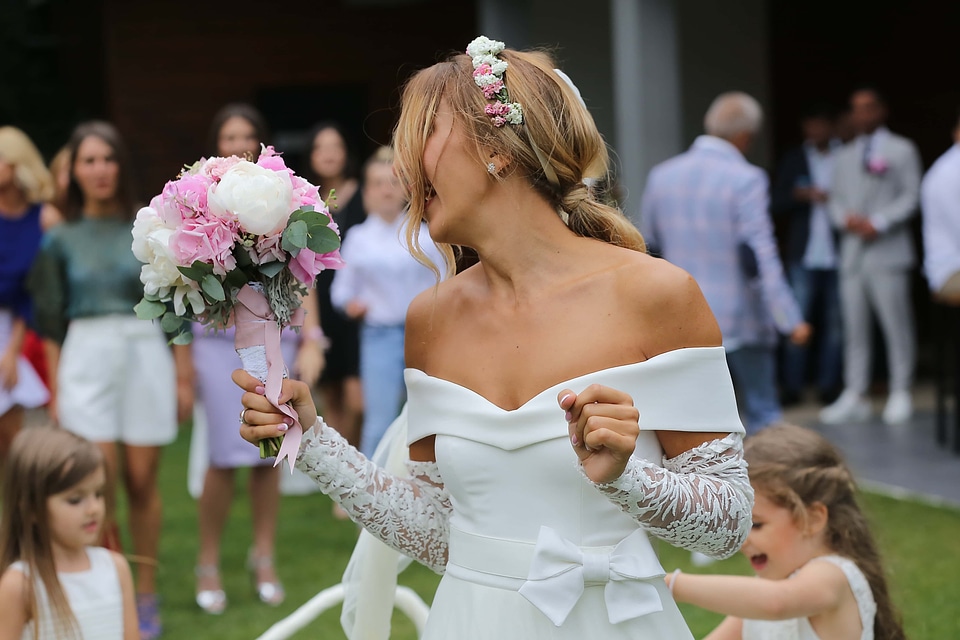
375 287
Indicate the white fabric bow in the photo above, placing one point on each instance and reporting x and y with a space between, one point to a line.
560 570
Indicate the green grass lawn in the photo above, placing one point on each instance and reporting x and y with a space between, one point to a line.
921 545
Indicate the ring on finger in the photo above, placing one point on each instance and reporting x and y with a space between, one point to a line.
243 417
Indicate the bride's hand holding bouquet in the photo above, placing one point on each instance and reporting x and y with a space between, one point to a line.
236 241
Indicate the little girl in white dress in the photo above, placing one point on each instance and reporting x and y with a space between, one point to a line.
819 572
54 584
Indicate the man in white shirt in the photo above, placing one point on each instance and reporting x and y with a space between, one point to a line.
375 286
940 198
876 190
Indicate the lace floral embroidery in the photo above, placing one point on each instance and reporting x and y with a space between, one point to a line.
410 514
700 500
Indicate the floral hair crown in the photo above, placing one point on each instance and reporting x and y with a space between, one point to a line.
488 74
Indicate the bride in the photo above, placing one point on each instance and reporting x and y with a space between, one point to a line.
567 395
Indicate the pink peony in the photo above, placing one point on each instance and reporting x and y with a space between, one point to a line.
269 159
308 264
191 194
208 240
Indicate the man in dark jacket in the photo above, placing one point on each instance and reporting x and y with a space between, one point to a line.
799 196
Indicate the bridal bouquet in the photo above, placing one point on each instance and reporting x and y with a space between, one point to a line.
236 241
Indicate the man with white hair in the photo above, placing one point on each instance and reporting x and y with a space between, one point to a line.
706 212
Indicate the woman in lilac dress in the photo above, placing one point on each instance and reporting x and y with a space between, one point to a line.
238 129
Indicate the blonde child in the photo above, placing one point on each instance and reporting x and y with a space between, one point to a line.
53 582
807 527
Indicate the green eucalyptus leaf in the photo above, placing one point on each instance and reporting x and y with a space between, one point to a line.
271 269
182 338
212 287
170 322
323 239
149 309
295 237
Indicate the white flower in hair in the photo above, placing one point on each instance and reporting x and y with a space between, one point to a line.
515 116
484 45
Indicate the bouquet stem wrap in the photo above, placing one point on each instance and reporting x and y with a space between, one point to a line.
257 342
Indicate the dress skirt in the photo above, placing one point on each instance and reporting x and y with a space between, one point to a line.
29 392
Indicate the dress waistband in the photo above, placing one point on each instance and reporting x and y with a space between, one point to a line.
552 572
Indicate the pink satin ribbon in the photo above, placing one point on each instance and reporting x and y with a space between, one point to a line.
257 326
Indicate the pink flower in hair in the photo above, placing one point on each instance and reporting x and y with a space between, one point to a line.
482 70
491 90
498 121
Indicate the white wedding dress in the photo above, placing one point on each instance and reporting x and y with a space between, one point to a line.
529 547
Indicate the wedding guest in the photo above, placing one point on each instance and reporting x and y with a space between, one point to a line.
706 211
940 197
333 168
25 191
238 129
60 170
799 195
375 287
115 378
531 485
876 189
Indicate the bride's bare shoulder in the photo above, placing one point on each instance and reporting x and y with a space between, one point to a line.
429 312
669 302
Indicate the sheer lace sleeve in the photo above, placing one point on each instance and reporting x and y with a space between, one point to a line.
409 514
701 500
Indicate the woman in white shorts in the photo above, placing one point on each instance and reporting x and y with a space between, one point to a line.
115 380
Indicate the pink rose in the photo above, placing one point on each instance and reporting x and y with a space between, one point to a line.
304 193
269 159
208 240
308 264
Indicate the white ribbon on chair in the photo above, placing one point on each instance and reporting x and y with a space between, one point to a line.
560 570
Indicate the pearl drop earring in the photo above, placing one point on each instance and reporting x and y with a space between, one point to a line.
492 169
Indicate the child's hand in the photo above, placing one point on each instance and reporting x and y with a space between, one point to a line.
261 419
604 426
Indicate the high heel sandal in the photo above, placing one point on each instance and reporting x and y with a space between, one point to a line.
270 593
213 601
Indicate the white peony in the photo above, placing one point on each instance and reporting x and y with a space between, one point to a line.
258 198
151 245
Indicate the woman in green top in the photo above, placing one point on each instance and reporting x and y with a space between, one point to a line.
115 382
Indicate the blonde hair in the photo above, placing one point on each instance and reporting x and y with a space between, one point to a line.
796 468
29 171
555 124
43 461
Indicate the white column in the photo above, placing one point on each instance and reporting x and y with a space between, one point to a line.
646 90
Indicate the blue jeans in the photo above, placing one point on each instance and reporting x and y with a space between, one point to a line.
817 294
754 371
381 375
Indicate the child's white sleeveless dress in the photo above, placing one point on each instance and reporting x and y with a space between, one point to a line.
800 629
94 596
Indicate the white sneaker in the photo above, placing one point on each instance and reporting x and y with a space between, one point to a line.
899 408
849 407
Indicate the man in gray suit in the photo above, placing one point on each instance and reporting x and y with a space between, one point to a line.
876 188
